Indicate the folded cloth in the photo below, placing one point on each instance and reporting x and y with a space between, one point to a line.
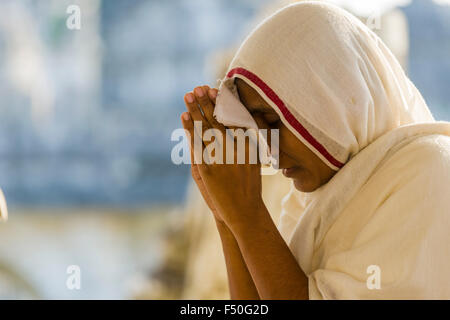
340 90
230 111
3 208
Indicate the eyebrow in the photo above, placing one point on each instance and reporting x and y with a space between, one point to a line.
253 109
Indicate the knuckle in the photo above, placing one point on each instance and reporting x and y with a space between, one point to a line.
204 100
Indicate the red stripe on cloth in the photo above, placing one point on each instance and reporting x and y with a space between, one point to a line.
286 113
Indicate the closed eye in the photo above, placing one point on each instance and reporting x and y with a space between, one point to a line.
271 118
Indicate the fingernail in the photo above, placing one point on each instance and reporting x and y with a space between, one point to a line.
199 92
212 93
189 98
186 116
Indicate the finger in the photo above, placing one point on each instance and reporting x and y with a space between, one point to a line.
194 168
210 110
196 150
186 120
204 102
196 115
207 106
206 88
212 94
194 110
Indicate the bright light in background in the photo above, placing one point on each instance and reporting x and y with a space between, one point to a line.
442 2
366 8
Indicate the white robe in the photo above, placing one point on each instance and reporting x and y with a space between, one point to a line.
391 211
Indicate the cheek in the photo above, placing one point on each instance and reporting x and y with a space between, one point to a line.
290 144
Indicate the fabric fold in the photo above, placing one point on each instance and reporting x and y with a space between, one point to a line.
395 216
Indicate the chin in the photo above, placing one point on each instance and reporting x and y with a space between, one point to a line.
306 185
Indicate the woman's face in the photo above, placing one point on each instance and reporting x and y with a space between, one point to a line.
296 160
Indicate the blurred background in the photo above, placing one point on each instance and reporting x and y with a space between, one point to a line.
86 118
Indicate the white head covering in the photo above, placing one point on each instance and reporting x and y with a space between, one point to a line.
333 82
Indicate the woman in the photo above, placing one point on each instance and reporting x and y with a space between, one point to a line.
368 213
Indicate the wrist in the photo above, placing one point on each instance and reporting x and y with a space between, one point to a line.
224 230
219 223
249 218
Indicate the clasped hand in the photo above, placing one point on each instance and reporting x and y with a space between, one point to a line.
232 191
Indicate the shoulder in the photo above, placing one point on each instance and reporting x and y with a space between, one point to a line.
411 181
423 158
437 144
415 180
431 148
